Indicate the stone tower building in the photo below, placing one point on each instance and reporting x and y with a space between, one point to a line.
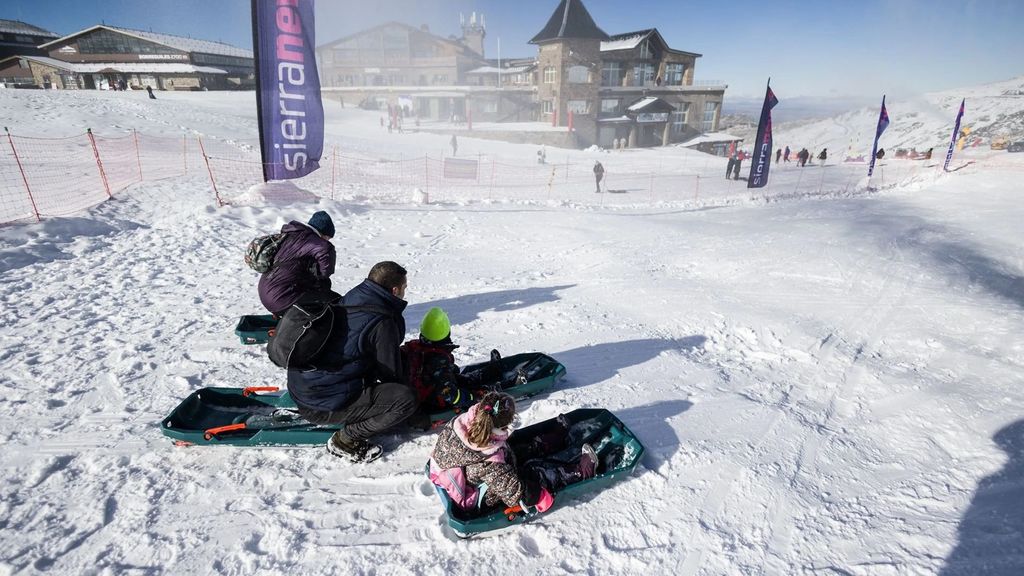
473 33
569 69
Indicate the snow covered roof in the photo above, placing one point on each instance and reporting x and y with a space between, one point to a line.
641 103
124 67
171 41
495 70
570 20
711 137
19 27
626 41
630 40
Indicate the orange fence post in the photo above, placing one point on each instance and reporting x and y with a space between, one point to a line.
138 159
99 163
210 170
24 179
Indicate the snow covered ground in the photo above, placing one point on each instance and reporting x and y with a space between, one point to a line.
825 385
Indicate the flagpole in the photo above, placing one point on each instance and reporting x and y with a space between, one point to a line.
259 91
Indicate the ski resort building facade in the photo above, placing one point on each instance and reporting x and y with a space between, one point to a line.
105 57
630 89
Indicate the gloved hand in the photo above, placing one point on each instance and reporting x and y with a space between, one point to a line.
545 501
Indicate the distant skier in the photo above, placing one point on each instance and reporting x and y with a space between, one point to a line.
454 142
778 155
598 175
823 155
880 154
149 90
785 155
730 165
802 156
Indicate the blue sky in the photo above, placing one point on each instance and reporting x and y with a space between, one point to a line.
831 48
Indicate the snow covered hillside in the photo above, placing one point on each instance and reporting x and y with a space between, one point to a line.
824 384
992 110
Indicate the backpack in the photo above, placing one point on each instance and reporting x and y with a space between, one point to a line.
262 250
304 329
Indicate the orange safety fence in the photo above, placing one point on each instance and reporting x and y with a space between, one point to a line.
45 177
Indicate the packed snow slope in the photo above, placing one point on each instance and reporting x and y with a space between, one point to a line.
824 386
991 111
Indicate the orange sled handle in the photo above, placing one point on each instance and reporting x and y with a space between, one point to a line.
252 389
209 434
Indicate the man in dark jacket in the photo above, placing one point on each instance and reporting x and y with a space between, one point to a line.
366 391
304 263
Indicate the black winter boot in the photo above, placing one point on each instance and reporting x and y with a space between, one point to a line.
353 449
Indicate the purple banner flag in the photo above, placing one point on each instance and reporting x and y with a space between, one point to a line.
883 123
289 109
763 143
956 132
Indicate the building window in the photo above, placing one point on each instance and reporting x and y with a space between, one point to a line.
578 106
579 75
643 75
609 106
23 39
549 74
710 113
611 74
547 107
645 50
674 74
679 117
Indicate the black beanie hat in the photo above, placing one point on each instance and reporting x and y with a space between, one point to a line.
322 223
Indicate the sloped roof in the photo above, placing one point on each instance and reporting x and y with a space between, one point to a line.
625 41
171 41
19 27
650 104
451 40
711 137
570 20
120 67
630 40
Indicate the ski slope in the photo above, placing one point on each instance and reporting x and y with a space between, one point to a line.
824 385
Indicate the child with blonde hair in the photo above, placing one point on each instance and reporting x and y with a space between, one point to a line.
473 462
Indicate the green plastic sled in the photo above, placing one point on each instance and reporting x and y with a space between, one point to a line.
255 329
266 416
618 451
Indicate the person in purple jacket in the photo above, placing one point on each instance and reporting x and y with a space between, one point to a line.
304 263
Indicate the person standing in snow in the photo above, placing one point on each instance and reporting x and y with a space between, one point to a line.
149 90
367 393
785 154
476 445
730 165
455 145
303 264
823 155
778 154
740 157
598 175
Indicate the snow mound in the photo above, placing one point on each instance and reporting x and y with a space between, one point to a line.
279 192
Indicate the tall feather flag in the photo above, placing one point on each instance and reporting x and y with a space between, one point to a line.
883 123
289 109
763 142
956 132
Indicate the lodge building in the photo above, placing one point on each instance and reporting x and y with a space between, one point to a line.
630 88
103 57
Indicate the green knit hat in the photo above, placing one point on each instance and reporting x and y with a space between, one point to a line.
435 326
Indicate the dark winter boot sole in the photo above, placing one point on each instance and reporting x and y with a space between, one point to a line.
369 452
